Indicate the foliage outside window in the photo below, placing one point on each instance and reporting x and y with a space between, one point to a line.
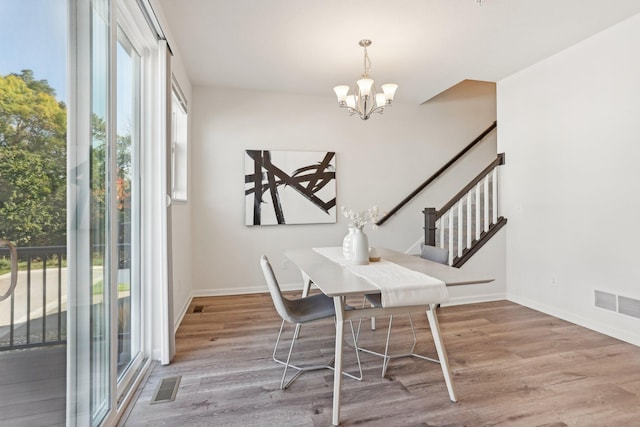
33 175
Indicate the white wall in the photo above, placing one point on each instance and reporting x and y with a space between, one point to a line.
379 161
570 126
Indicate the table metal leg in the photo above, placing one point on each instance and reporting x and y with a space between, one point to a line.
337 375
442 353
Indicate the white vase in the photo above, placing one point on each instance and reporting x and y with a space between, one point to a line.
347 244
360 248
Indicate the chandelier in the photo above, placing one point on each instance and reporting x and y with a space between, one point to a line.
365 100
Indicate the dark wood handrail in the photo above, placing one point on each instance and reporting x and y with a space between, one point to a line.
455 199
436 174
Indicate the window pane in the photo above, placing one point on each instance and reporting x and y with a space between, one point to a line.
99 207
128 205
179 147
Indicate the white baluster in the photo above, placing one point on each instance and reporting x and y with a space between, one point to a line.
469 223
486 203
450 236
478 218
494 194
460 227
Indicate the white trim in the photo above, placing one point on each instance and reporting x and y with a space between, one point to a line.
154 201
597 326
242 290
298 287
183 312
128 398
475 299
78 131
179 93
162 206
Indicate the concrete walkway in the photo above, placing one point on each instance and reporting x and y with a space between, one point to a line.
22 291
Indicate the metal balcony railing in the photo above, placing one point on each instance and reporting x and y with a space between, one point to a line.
35 313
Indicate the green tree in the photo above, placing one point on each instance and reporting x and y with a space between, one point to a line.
32 161
98 175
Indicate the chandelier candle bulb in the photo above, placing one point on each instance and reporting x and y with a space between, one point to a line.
389 90
364 85
341 92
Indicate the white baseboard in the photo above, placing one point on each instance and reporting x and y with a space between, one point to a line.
297 287
244 290
177 320
623 335
475 299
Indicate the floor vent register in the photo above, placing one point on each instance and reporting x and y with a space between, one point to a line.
166 390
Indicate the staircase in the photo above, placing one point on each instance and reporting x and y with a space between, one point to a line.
465 223
469 219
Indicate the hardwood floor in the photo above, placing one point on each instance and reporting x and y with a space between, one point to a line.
512 366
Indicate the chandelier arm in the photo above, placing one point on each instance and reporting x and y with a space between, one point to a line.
378 110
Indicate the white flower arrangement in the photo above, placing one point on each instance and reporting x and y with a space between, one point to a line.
360 219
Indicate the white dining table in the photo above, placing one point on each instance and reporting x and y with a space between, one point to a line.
339 282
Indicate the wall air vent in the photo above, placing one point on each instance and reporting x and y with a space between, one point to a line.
618 303
629 306
605 300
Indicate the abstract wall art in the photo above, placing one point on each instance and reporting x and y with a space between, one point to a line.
290 187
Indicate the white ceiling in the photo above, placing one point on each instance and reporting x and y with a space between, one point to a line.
425 46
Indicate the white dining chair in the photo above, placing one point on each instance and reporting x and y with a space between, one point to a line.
432 253
298 312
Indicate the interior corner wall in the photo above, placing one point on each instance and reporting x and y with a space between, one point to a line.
378 162
570 127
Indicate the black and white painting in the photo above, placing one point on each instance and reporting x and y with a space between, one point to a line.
289 187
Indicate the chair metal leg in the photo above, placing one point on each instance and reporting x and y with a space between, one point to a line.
286 365
386 357
300 369
306 280
355 346
296 333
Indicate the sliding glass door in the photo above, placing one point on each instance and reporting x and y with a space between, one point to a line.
71 198
115 54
